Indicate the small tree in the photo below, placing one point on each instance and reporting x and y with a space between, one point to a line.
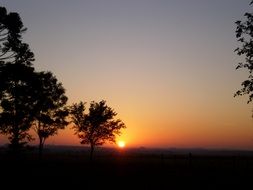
50 110
96 127
244 34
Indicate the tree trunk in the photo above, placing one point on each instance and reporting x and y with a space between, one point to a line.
91 152
15 144
41 146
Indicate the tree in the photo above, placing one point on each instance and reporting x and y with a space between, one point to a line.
16 76
244 35
96 127
27 98
12 49
16 102
50 108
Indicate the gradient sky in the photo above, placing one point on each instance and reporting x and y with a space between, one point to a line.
166 66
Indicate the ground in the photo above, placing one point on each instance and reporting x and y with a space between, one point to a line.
122 169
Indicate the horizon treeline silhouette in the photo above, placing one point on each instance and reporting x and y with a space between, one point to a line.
30 99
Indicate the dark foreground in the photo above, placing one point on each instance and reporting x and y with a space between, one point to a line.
126 170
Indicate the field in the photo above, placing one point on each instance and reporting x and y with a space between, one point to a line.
127 169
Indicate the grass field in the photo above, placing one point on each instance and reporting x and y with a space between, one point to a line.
127 169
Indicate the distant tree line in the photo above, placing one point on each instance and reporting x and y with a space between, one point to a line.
36 100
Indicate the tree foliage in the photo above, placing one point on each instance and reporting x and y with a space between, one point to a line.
96 127
50 111
16 102
12 49
16 76
244 35
27 98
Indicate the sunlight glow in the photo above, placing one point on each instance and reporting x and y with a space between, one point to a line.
121 144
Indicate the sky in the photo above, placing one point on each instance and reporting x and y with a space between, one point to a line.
167 67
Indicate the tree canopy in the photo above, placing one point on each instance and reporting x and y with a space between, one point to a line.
16 102
50 110
12 49
97 126
244 35
27 98
16 76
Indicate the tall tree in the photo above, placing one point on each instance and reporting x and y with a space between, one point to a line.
27 98
244 35
50 108
16 102
16 76
12 49
96 127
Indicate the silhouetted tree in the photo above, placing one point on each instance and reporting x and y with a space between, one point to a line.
12 49
244 34
96 127
50 108
16 102
27 98
16 76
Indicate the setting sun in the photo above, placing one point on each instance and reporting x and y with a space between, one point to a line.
121 144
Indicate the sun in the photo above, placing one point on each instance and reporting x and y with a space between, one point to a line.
121 144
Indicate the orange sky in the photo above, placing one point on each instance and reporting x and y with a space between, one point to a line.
166 67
